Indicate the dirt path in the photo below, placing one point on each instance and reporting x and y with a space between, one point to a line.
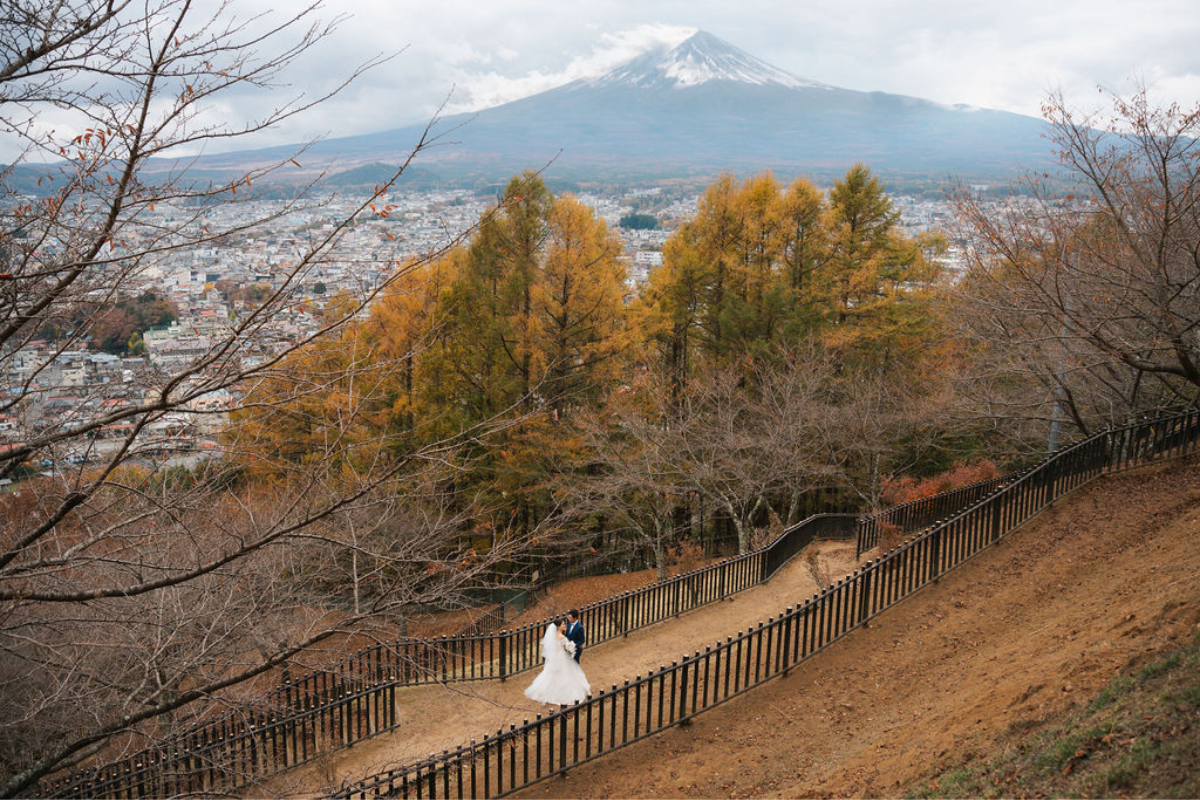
1030 628
442 717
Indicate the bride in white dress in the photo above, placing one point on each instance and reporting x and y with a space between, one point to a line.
561 681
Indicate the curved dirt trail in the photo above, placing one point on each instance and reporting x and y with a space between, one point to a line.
435 718
1000 648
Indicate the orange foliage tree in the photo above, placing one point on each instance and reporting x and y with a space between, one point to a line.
1084 296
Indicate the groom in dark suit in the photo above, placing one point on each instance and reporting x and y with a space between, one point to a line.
575 632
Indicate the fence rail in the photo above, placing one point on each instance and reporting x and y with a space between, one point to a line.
917 515
520 756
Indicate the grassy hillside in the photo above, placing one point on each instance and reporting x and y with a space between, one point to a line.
1138 737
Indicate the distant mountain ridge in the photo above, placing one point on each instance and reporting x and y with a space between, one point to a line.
695 109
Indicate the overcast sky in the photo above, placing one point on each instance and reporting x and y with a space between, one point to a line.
1005 55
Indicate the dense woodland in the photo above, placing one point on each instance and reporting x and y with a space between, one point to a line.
509 403
787 355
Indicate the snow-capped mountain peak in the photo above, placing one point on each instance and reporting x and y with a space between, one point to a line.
702 58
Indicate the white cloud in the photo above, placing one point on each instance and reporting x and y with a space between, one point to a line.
1165 89
482 90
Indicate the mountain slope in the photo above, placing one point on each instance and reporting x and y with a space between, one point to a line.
703 106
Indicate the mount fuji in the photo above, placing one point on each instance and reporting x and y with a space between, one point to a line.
701 107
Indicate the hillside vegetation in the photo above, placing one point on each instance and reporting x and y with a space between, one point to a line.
1136 738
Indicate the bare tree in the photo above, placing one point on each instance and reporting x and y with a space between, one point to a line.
792 427
1088 290
727 451
799 424
631 477
884 425
134 591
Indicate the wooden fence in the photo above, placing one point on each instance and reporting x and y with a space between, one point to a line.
520 756
356 699
920 514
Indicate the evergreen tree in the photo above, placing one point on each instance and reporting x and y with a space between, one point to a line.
873 288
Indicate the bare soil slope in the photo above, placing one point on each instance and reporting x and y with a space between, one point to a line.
1025 633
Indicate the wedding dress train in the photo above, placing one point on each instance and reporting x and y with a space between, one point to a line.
561 681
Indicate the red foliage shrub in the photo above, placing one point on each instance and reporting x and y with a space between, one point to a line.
905 489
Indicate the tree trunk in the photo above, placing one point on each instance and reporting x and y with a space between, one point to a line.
355 579
743 533
876 490
793 509
660 558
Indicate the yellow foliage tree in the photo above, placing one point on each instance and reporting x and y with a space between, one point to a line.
762 266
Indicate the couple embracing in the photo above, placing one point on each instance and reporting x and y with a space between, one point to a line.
561 681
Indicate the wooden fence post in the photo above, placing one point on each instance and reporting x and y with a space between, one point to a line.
786 652
935 551
864 599
683 691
